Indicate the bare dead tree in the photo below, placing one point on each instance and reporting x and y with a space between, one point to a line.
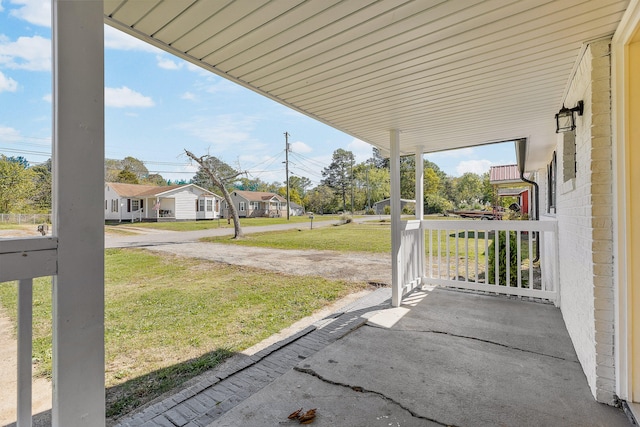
220 182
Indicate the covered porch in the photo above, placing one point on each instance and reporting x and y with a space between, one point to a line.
444 357
407 77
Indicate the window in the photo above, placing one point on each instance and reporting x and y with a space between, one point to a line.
209 205
569 163
242 204
135 204
114 206
201 205
551 184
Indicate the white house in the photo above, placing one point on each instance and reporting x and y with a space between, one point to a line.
134 202
408 78
256 204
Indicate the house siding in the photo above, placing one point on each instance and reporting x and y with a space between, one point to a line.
584 211
185 205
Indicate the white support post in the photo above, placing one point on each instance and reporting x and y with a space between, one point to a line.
78 217
396 238
420 210
25 346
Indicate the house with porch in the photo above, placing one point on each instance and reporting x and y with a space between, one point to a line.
135 202
256 204
559 78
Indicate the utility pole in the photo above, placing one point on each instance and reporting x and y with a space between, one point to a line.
368 191
286 167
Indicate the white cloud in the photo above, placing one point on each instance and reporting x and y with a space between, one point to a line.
475 166
221 85
124 97
360 149
1 8
188 96
167 63
300 147
223 131
116 39
26 53
7 84
48 98
36 12
9 134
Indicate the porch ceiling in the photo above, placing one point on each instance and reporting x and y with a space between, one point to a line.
447 74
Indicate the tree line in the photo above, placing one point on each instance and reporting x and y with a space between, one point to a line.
345 185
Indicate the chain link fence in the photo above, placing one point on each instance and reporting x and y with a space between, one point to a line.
25 218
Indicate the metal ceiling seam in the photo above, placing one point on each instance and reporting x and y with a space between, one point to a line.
376 48
420 83
288 52
161 16
181 25
250 22
374 67
311 25
517 47
256 37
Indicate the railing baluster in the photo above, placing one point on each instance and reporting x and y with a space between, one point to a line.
507 253
466 253
496 245
448 241
486 256
530 236
477 256
430 253
519 257
25 321
457 254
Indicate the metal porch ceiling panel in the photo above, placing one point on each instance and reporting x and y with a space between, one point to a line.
447 74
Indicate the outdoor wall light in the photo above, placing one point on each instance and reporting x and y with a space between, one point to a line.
566 120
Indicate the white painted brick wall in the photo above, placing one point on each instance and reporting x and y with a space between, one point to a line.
585 232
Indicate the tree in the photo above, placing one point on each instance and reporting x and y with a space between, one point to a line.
227 174
338 175
300 184
320 199
17 185
127 177
468 189
42 182
208 166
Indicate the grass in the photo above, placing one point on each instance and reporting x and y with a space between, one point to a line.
168 318
368 237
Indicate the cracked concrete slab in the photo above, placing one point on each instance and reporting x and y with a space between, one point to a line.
335 406
447 358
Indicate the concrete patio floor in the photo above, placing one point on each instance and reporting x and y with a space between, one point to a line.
444 358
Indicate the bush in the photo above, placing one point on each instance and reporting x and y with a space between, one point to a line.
345 218
436 204
409 209
502 262
387 210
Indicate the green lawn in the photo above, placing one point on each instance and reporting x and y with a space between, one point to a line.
168 319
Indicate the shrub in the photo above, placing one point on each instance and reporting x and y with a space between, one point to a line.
502 262
387 210
436 204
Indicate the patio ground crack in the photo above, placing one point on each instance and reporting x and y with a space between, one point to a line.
363 390
433 331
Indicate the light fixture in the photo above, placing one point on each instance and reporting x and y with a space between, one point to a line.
565 119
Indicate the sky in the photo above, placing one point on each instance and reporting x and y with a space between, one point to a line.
157 105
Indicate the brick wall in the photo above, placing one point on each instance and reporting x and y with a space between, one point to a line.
585 223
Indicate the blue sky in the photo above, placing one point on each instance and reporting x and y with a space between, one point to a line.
157 105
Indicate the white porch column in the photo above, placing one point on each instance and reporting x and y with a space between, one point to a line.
396 211
419 183
78 218
420 209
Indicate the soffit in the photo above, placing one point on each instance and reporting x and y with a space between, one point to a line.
447 74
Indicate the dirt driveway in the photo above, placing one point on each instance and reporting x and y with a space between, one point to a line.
330 264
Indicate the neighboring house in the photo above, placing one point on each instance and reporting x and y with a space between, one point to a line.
506 179
255 204
295 209
133 202
378 207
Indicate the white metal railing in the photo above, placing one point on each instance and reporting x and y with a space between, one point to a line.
23 260
462 254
